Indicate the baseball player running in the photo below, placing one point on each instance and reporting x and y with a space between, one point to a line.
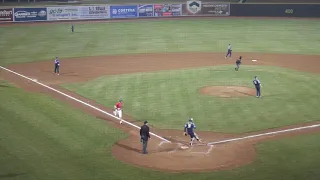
57 66
238 62
229 53
189 130
117 111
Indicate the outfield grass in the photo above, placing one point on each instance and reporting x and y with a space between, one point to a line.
44 42
168 98
42 138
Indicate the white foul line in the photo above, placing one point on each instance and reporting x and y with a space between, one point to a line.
265 134
84 103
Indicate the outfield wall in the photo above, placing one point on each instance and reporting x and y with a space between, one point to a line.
276 10
189 9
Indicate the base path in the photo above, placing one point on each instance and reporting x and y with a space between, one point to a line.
174 156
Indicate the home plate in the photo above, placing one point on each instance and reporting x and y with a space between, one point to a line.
254 60
184 147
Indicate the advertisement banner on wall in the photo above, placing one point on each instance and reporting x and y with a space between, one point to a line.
94 12
6 15
165 10
128 11
30 14
63 13
198 8
145 10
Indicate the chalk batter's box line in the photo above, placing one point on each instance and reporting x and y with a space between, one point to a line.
205 153
190 149
81 102
170 152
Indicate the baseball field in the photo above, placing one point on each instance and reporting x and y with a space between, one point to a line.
61 128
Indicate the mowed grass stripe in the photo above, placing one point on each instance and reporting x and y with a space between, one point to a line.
168 98
44 42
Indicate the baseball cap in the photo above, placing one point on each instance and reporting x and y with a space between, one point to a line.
145 122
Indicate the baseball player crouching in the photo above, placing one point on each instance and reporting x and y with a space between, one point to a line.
117 111
189 130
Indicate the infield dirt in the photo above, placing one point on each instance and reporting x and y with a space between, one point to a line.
162 156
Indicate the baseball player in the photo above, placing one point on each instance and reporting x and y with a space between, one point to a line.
238 62
258 85
189 130
72 28
117 111
57 66
229 51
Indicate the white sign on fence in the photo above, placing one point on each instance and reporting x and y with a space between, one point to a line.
63 13
78 12
94 12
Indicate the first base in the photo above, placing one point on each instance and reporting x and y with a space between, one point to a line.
254 60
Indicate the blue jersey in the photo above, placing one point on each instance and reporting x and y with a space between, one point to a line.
257 83
189 128
57 62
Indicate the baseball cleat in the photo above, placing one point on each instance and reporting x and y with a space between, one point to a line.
121 122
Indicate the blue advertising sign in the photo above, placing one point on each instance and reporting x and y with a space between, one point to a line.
145 10
129 11
30 14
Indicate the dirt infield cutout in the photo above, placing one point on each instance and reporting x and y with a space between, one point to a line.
227 91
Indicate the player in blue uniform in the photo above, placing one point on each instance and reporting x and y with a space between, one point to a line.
57 66
238 62
257 85
229 53
189 130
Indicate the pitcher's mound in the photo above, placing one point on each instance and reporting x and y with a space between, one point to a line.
228 91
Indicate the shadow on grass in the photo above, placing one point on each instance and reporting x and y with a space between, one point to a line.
11 175
128 148
5 86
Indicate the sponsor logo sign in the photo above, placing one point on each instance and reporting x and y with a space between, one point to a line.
129 11
94 12
6 15
145 10
196 8
63 13
30 14
165 10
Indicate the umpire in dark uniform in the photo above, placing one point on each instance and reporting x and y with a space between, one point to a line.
238 62
145 136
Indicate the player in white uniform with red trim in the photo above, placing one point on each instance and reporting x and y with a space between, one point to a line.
118 110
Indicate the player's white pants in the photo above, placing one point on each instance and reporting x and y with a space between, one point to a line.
118 113
197 137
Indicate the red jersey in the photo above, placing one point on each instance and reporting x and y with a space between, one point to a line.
119 105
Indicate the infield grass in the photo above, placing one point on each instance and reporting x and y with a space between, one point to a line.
42 138
167 98
43 42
